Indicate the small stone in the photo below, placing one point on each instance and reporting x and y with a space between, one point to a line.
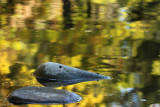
42 95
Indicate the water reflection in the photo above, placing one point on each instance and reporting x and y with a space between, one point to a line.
51 83
119 38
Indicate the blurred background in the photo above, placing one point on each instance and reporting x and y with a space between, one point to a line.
116 38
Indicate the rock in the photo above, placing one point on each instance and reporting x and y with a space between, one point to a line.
42 95
54 83
63 73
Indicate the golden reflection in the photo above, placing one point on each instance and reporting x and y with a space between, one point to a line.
103 37
4 66
156 67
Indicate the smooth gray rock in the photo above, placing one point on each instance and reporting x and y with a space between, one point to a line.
42 95
63 73
54 83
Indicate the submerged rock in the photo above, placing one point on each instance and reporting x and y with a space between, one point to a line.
42 95
59 72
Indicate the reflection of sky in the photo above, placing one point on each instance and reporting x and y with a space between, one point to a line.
114 104
128 27
133 100
126 49
122 14
126 90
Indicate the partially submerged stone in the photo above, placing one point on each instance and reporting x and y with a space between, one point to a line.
42 95
63 73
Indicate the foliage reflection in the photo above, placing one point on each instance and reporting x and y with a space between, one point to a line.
117 38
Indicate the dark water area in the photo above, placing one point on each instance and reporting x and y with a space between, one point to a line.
115 38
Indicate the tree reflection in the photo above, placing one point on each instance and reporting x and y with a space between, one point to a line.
67 14
116 38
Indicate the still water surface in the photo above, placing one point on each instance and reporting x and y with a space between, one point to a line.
116 38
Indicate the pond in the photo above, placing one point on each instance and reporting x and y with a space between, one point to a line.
115 38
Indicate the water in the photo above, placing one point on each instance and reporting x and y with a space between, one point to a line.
116 38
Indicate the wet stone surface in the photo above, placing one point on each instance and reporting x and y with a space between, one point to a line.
42 95
63 73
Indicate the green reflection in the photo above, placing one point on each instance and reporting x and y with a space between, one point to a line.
117 38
